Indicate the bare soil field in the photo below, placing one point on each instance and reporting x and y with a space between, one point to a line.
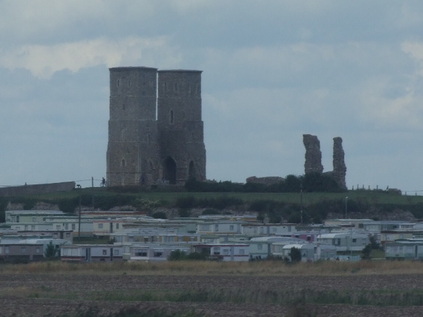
238 291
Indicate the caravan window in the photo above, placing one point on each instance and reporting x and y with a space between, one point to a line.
140 252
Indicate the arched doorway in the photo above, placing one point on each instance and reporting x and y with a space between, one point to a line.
169 170
192 173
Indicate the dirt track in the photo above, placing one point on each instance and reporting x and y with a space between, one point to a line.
60 295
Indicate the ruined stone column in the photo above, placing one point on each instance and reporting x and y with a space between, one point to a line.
339 167
313 155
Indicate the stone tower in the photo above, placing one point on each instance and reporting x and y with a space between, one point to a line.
155 127
180 127
313 155
339 167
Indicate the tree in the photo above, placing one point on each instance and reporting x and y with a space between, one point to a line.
292 184
295 255
159 215
365 254
52 251
177 255
317 182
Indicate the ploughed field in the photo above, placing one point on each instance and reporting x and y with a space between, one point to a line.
212 289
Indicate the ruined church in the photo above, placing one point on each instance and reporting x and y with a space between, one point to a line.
313 159
155 127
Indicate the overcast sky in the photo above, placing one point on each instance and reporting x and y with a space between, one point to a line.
273 70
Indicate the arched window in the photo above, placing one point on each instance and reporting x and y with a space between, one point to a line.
123 162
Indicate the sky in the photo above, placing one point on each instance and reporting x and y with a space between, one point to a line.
273 70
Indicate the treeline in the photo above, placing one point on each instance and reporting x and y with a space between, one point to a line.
311 182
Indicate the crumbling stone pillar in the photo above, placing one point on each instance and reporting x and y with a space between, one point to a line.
313 155
339 167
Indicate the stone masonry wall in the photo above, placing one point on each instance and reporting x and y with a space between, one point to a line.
313 155
155 128
339 167
313 159
36 189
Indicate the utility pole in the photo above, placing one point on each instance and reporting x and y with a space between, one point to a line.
346 207
79 219
301 202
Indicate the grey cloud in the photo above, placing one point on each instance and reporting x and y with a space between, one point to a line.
272 71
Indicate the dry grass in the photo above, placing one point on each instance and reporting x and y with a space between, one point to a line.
214 289
264 268
19 291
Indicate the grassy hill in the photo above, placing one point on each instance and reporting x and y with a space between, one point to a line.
369 196
283 206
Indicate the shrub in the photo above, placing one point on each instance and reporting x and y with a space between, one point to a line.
196 256
159 215
52 251
317 182
68 205
292 184
184 213
185 202
108 202
210 212
28 204
295 255
177 255
365 253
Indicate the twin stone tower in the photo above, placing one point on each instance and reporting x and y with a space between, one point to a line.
155 127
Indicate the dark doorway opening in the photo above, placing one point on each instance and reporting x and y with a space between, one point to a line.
170 170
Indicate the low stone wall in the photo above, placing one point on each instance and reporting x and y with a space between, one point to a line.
36 189
269 180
